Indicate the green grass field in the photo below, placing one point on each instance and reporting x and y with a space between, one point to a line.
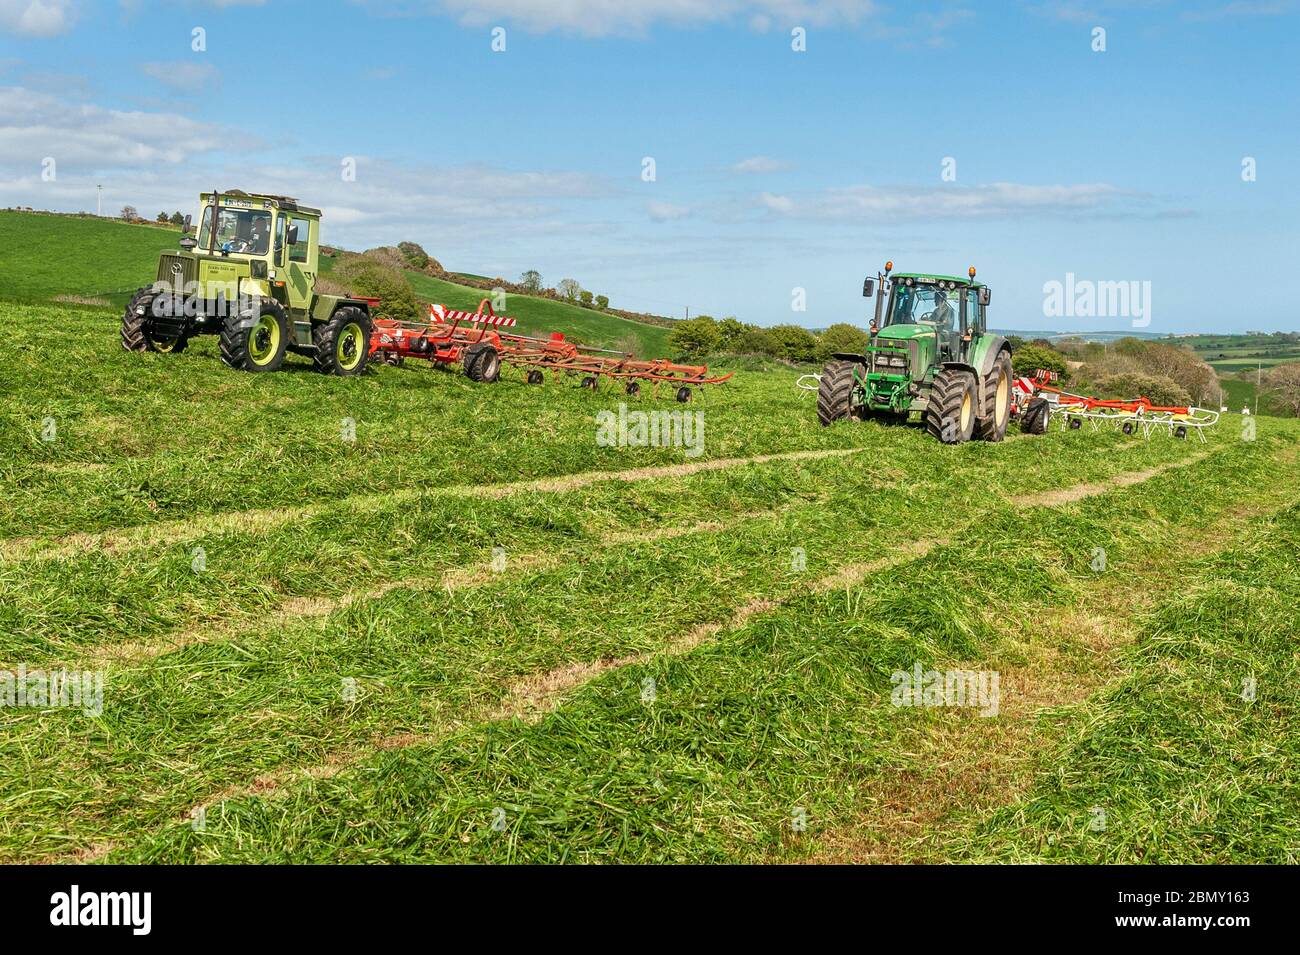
407 618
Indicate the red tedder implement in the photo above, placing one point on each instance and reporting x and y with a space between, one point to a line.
1037 400
474 339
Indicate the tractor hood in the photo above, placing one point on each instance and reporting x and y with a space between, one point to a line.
905 333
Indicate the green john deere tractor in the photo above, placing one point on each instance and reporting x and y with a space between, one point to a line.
250 277
929 352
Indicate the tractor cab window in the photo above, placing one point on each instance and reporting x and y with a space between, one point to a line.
922 305
246 231
974 313
298 251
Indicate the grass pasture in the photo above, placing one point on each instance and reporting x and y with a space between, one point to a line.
406 618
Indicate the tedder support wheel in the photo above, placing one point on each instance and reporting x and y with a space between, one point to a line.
256 341
835 392
535 377
482 363
634 388
342 344
1076 424
1035 417
992 423
589 382
683 394
137 333
950 415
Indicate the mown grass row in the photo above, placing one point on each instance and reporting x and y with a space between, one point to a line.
92 437
55 609
788 713
270 696
1194 757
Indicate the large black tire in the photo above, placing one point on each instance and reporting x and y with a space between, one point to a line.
835 392
482 363
136 330
1033 420
995 408
951 412
343 343
256 344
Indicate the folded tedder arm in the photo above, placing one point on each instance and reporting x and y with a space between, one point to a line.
1131 415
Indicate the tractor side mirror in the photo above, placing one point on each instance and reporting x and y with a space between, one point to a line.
292 235
187 227
868 287
984 295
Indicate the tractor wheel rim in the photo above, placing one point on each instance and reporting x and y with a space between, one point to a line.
349 347
264 339
1003 406
965 411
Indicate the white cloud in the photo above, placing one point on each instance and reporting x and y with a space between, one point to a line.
605 17
914 203
666 211
761 164
40 18
34 125
181 74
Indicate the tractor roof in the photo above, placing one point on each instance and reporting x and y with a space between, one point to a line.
287 203
936 277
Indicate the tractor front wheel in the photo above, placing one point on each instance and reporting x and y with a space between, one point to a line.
996 406
137 331
835 392
342 345
950 415
256 341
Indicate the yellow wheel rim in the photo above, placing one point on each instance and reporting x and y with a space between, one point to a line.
965 412
264 339
349 349
1003 405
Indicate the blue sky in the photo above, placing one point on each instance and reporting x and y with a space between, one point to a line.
775 169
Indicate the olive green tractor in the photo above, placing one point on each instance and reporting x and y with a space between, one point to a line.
250 277
929 353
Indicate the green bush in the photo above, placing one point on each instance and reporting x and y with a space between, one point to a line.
1024 361
841 337
694 337
1160 389
793 343
365 275
602 302
414 254
753 341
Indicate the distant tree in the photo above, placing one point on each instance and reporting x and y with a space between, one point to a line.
602 302
793 343
1282 385
177 219
163 218
694 337
129 213
586 297
569 289
841 337
531 280
1161 389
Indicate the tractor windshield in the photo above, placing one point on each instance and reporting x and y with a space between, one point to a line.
238 230
923 304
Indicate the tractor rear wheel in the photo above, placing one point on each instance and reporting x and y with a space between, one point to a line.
257 342
950 415
137 334
835 392
1035 416
342 344
996 406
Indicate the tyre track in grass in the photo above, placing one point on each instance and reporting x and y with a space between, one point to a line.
972 766
259 521
532 697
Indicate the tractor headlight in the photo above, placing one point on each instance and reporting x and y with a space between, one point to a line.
897 362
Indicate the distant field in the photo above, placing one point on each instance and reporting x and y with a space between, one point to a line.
42 256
